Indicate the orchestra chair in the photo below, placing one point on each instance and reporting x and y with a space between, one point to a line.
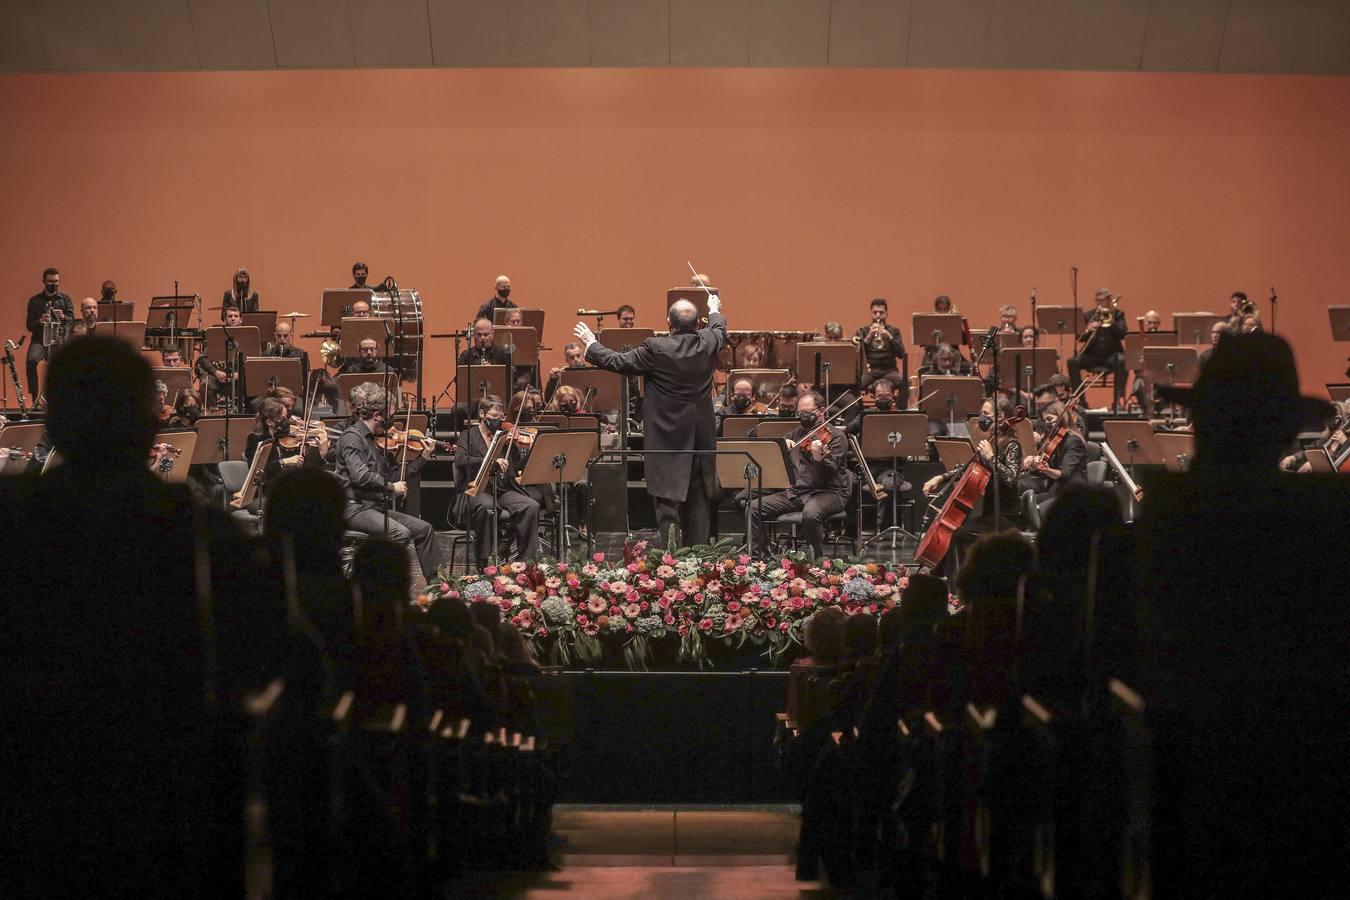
233 473
833 528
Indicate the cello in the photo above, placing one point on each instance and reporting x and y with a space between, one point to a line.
961 500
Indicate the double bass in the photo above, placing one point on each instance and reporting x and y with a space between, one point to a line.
961 500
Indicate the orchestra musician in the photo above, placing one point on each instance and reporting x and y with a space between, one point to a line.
627 316
677 412
943 304
273 422
500 299
186 410
575 357
223 381
171 358
882 346
568 400
947 360
1217 332
1239 307
241 296
163 411
1007 319
88 316
108 291
1152 322
741 402
531 400
360 272
1251 323
1049 476
360 310
483 351
1005 469
368 361
284 346
505 491
832 331
1103 344
365 471
1029 335
51 306
819 456
1333 440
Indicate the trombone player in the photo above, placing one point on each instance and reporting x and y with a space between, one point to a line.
881 346
1103 344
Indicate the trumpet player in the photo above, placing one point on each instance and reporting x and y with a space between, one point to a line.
1239 308
1103 344
882 345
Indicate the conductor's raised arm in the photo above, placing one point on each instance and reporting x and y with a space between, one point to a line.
629 362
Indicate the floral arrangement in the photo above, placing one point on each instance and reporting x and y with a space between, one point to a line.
698 602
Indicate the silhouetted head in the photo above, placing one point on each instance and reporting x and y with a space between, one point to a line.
380 569
101 404
996 563
1246 405
824 634
1065 538
451 616
922 605
308 506
860 634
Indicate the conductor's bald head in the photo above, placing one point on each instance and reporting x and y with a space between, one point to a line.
683 316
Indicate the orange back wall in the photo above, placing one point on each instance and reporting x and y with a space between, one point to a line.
803 193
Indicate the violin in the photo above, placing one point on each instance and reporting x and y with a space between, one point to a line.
392 441
522 436
960 501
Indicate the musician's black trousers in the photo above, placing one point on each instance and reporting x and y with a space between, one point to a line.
815 509
368 518
693 515
36 353
524 510
1113 362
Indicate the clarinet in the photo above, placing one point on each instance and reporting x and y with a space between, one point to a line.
14 374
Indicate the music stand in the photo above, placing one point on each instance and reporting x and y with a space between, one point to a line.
1004 339
560 458
839 358
1338 393
264 321
1178 448
354 331
186 442
1193 328
773 379
336 304
695 295
1058 321
894 436
211 436
119 310
487 379
533 318
273 371
522 344
1171 365
768 470
253 480
176 378
1340 322
951 397
131 332
1136 341
622 339
167 313
22 437
245 339
604 383
581 422
931 329
952 452
739 426
1134 442
776 428
1042 361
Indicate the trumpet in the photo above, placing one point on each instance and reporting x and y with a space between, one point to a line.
1247 308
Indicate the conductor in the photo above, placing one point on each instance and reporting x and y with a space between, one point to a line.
677 413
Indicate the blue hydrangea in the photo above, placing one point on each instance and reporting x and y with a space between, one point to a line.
556 611
764 587
650 625
479 590
858 589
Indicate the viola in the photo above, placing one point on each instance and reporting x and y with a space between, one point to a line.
960 501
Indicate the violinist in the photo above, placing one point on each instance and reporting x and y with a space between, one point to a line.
503 490
186 410
524 406
879 397
1060 460
822 482
162 406
273 423
568 400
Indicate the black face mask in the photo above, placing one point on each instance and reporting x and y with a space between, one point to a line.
492 425
807 419
884 403
109 296
986 423
568 407
50 288
190 413
740 402
504 292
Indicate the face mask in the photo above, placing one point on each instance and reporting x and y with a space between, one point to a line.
568 407
807 419
492 425
190 413
884 403
109 296
740 402
50 288
986 422
504 292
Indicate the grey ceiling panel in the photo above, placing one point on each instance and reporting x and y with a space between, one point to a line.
156 34
390 32
709 32
949 33
869 32
312 34
1324 38
789 32
79 34
470 32
1185 35
21 39
550 32
1028 34
630 32
1106 34
233 34
1262 36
